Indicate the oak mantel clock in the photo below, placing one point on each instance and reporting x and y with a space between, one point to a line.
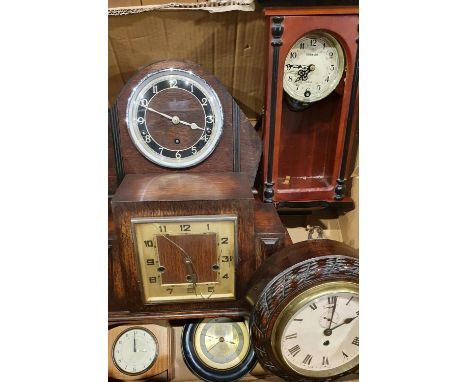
186 246
311 94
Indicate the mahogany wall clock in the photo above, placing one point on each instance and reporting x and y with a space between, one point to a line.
173 116
305 311
311 93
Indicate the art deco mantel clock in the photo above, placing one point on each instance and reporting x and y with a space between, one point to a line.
305 311
173 116
311 92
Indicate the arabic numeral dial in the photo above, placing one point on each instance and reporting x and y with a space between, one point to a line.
316 63
321 336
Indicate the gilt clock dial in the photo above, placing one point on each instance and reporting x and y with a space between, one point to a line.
313 67
174 118
186 258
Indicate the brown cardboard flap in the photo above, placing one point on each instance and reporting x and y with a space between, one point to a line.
229 45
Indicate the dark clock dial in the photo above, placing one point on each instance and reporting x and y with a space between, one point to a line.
174 118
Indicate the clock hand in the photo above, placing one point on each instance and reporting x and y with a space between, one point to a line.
326 318
193 126
346 321
333 312
218 338
175 119
188 264
213 346
164 115
134 343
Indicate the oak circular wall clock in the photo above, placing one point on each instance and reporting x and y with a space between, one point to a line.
175 118
305 311
218 349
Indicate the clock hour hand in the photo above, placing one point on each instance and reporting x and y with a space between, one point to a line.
345 321
193 126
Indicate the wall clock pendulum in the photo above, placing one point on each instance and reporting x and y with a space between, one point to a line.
305 311
311 95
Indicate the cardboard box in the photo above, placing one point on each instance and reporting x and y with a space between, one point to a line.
229 45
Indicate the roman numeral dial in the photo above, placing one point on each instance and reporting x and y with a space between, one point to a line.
321 336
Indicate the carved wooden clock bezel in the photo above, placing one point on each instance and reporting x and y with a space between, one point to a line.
284 276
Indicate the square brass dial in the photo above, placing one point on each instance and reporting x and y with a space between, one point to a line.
186 258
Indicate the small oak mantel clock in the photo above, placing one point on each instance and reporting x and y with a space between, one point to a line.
311 93
305 311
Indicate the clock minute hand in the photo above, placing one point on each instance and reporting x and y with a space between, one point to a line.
333 313
158 112
175 119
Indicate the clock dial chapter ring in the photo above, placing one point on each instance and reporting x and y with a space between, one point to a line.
174 118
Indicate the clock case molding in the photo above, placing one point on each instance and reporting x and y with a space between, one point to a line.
313 146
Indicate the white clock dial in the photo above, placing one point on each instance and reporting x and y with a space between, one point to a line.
321 337
135 351
313 67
